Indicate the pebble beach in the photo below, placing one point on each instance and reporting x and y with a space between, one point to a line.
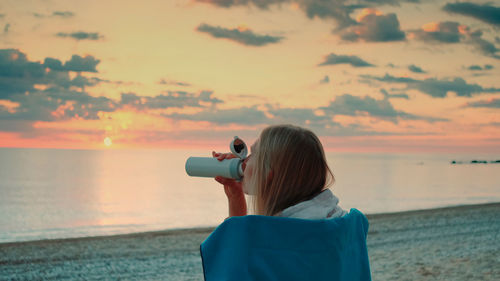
453 243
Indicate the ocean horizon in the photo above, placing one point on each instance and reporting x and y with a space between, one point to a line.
60 193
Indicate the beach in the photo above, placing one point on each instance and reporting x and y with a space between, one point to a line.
453 243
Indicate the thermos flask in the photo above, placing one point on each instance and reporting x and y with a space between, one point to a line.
211 167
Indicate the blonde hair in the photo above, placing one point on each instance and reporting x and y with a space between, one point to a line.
290 167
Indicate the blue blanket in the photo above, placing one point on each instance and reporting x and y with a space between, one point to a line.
276 248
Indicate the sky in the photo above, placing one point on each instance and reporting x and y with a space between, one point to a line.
365 75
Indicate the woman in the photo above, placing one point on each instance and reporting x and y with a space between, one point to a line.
287 166
299 232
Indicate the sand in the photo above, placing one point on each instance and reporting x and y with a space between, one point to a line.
456 243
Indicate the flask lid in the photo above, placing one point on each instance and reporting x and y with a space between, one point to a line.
238 147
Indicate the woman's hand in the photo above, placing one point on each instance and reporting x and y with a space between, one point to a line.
233 189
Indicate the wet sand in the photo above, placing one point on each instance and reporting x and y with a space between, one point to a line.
455 243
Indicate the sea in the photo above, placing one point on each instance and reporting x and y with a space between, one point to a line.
60 193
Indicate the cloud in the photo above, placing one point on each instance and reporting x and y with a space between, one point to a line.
240 35
440 88
230 3
170 99
34 91
387 95
318 118
15 125
354 61
46 91
303 116
435 87
47 95
439 32
242 115
173 82
322 117
80 35
54 64
63 14
337 10
491 103
453 32
483 12
360 106
483 46
373 26
78 63
476 67
15 64
389 78
416 69
391 2
57 104
255 116
325 80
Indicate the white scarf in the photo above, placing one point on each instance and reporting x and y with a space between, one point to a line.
322 206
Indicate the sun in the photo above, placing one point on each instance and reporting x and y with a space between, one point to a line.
107 141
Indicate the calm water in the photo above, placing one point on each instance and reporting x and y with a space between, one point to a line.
47 193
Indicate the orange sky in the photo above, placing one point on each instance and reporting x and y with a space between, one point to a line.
192 74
